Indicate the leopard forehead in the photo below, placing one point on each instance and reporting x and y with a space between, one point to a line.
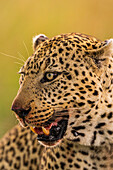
61 48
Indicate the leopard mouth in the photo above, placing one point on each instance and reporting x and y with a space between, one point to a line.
52 133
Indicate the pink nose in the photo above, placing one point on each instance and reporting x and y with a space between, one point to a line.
20 111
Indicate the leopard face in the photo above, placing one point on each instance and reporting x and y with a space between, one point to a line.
66 90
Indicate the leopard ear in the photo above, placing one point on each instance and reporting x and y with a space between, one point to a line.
100 54
38 39
108 50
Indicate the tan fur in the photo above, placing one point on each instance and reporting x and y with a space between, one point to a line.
85 91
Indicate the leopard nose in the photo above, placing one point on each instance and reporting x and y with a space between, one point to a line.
20 111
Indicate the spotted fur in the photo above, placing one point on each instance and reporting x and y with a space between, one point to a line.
81 84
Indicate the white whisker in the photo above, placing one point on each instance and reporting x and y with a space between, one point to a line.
26 48
21 56
12 56
19 63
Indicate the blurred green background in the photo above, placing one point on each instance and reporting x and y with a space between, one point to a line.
23 19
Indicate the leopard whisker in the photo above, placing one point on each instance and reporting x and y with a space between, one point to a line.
19 63
21 56
26 48
12 57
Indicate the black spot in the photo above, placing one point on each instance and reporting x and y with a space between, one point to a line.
74 133
60 60
93 138
110 132
81 88
65 87
53 100
95 93
109 105
86 169
81 104
78 127
68 48
78 46
76 165
90 102
94 47
81 65
34 150
49 166
25 161
86 79
79 160
78 60
62 164
83 73
77 116
67 65
67 54
83 92
76 72
93 83
90 74
67 94
103 165
60 50
109 115
69 77
76 84
103 115
83 98
111 81
88 86
59 97
73 57
83 81
57 155
56 166
83 152
73 45
70 160
100 89
54 55
87 111
88 44
84 46
65 44
77 140
99 125
75 65
101 132
62 149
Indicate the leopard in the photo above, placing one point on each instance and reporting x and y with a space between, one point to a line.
64 107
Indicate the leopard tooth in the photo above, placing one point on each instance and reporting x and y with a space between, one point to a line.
45 131
32 128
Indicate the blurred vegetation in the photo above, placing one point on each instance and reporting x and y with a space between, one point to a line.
21 20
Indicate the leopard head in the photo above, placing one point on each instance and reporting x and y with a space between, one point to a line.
65 90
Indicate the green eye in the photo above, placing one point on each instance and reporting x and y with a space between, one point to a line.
50 76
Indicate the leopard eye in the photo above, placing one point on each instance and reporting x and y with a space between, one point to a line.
49 76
